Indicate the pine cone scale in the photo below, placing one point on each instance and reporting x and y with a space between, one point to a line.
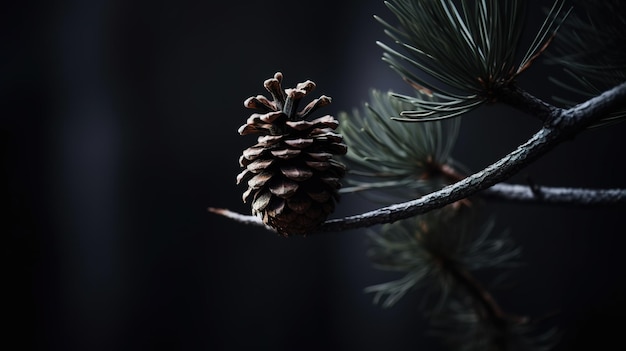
285 153
259 165
300 143
260 179
296 173
284 189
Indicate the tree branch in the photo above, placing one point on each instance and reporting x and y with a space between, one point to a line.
505 192
559 125
238 217
520 99
555 195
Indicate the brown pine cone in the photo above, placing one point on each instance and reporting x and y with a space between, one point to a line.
292 178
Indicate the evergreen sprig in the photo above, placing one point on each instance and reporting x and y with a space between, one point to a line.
468 52
392 158
432 249
437 252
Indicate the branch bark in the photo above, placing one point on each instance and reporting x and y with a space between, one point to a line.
559 125
555 195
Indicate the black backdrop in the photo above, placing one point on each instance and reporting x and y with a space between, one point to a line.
118 130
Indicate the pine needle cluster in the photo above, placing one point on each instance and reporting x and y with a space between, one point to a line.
438 254
436 246
461 52
390 161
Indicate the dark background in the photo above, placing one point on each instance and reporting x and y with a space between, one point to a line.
118 129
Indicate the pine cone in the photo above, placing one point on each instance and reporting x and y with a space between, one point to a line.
292 179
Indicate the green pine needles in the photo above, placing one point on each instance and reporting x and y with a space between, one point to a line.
461 52
391 161
438 254
435 251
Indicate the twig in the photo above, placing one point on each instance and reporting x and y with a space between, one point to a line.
522 100
534 188
238 217
555 195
